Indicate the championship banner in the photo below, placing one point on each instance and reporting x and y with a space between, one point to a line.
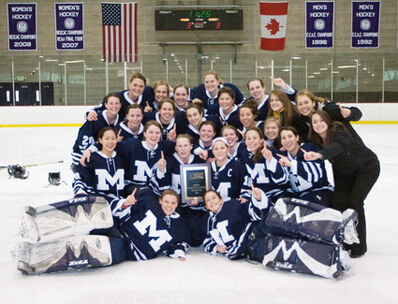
69 26
22 26
365 24
119 32
319 24
273 25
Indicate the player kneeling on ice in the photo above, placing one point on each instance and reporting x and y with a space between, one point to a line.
230 222
305 237
56 235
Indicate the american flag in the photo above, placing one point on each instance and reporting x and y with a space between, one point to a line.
119 32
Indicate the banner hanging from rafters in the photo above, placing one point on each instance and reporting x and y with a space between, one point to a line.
119 32
273 25
319 24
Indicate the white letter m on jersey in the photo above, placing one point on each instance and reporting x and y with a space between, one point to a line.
105 179
162 236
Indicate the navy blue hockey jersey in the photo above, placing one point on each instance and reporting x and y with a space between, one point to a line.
306 176
147 95
102 176
148 230
201 93
88 133
230 179
230 119
143 161
230 226
126 133
269 177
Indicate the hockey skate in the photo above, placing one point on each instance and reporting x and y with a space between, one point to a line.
76 216
72 252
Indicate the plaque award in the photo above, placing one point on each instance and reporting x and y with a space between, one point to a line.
195 181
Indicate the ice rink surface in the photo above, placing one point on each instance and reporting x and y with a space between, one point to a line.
201 278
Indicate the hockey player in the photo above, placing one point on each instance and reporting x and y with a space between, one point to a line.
229 222
132 126
208 92
166 117
355 169
181 156
149 226
228 176
180 97
247 116
138 93
264 173
304 237
191 211
280 106
207 131
308 180
271 128
161 90
89 131
225 109
256 88
231 134
143 157
105 173
195 116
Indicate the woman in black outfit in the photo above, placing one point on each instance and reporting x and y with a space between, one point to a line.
355 167
307 103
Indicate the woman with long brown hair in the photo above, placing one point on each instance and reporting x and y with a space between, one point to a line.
355 168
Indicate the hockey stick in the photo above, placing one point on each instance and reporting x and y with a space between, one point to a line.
37 164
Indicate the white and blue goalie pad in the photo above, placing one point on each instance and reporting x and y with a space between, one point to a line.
73 252
304 219
75 216
299 255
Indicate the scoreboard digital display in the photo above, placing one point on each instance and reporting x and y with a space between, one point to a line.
198 19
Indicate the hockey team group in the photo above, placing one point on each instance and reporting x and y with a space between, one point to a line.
271 200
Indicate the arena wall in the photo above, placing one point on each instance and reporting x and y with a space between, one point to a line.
47 116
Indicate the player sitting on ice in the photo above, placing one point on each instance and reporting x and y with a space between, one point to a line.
230 222
305 237
55 236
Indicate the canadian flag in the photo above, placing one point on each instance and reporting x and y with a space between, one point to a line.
273 25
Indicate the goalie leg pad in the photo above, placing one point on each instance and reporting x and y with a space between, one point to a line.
74 252
70 217
299 218
301 256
